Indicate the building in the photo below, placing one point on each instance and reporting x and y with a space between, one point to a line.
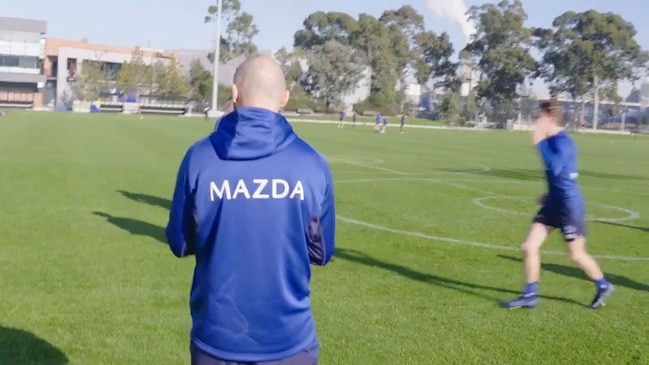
22 50
185 58
64 60
412 93
227 69
469 77
644 93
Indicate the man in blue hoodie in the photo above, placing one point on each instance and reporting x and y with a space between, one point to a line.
254 204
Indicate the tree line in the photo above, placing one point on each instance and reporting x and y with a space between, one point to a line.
161 78
579 54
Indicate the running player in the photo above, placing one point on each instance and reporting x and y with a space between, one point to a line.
385 125
354 117
562 208
403 122
342 119
377 123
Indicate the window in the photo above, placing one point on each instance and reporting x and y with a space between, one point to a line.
19 61
111 69
9 61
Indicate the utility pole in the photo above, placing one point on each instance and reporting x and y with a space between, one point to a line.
217 55
596 103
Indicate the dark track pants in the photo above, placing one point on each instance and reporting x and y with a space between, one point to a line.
306 357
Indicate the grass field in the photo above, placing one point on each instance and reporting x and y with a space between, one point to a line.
428 229
370 120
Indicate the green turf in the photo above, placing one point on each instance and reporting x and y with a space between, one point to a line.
86 279
394 120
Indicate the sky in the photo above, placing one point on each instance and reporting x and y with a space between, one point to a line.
178 24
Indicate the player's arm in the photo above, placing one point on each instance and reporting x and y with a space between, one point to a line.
553 158
182 224
321 231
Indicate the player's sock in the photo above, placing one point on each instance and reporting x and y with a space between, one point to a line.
531 289
602 284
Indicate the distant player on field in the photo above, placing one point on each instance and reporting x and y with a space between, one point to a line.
384 125
354 117
562 208
403 122
206 112
377 123
341 120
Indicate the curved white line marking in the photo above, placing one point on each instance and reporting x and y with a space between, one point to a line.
479 202
457 240
368 166
631 214
470 243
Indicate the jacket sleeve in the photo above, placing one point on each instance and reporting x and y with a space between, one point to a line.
182 224
322 227
554 159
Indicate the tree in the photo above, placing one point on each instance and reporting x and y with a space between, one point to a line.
433 59
372 41
405 25
501 51
240 30
450 107
135 76
333 72
169 82
587 51
321 27
407 19
470 106
126 78
199 81
90 81
291 65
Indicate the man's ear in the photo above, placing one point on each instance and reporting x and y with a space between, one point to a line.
235 94
287 96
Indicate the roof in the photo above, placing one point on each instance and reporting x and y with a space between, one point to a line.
53 45
23 25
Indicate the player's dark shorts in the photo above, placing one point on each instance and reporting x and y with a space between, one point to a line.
570 219
306 357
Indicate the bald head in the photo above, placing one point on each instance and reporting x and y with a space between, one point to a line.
259 82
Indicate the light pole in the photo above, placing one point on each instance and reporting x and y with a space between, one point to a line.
217 54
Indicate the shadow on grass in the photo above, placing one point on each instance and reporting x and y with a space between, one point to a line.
537 174
510 174
147 199
452 284
136 227
18 347
644 229
573 272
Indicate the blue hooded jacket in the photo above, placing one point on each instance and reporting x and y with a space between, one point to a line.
255 204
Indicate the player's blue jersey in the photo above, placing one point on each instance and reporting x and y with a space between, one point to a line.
559 155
